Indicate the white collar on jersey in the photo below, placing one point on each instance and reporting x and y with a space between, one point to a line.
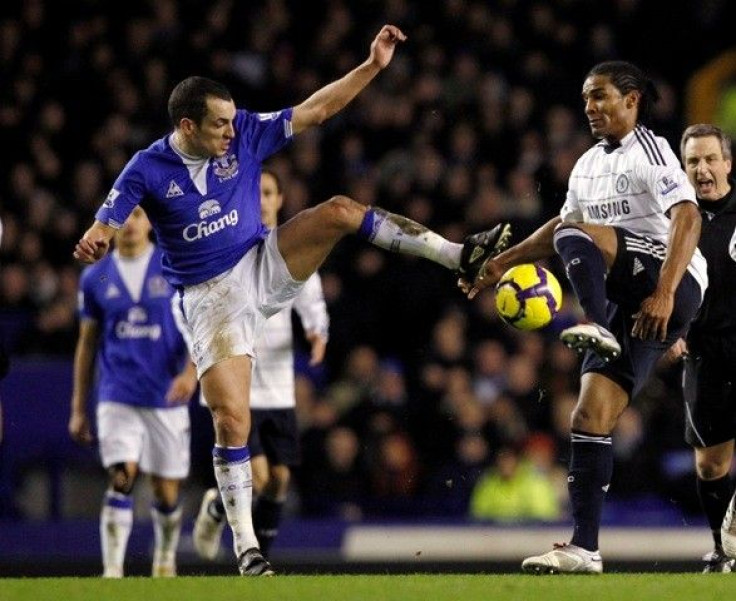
197 166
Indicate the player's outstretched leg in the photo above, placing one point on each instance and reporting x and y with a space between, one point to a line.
306 239
480 247
401 235
564 559
209 525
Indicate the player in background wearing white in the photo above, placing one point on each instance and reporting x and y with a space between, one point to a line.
709 355
274 435
145 380
627 235
200 188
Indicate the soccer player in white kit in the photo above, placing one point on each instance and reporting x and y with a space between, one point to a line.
145 382
200 188
627 235
274 435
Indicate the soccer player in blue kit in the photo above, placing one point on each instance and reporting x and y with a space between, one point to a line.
145 381
200 188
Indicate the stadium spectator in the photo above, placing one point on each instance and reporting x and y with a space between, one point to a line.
637 274
709 352
512 490
274 436
60 73
145 382
231 271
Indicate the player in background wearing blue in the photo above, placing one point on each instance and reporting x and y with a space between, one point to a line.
709 352
627 235
200 188
274 434
145 380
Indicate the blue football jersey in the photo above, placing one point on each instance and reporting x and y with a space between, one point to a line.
140 349
206 214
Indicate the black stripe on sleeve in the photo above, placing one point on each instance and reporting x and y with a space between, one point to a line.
648 134
644 146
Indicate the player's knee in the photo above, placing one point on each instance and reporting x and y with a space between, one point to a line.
586 419
229 424
341 213
280 477
121 479
711 469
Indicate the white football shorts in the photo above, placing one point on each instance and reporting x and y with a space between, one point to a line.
225 315
156 439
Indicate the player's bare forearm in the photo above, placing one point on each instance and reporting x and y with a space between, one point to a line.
84 359
683 239
654 313
534 248
95 243
183 385
332 98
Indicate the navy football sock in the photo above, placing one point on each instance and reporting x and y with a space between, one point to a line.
715 495
266 520
586 270
591 468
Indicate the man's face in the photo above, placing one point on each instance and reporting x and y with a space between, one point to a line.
706 167
212 137
135 231
610 114
271 200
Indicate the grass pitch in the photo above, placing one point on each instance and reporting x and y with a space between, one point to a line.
418 587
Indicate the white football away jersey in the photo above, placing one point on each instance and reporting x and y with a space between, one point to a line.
632 186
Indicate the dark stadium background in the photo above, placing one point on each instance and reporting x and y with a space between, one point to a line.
477 119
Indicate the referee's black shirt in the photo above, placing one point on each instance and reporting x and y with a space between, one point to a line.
717 316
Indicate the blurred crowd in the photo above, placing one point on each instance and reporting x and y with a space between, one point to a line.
427 404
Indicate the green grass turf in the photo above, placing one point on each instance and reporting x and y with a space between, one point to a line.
613 587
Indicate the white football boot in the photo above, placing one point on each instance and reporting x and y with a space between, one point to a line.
591 336
207 528
565 559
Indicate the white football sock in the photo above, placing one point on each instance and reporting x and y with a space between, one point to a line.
401 235
116 522
166 530
235 481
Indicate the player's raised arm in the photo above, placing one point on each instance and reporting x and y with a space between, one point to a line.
95 243
332 98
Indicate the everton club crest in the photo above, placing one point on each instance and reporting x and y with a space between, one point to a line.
225 167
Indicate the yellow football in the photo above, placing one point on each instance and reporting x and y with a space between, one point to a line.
528 297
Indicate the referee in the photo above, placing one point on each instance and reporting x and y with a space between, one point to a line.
709 355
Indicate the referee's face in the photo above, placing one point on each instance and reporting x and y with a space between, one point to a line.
706 167
611 115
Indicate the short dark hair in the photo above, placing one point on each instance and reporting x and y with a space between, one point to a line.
627 77
276 178
703 130
188 100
